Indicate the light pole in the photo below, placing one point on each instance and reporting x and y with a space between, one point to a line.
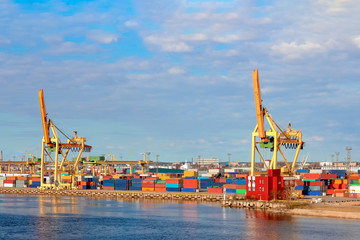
157 163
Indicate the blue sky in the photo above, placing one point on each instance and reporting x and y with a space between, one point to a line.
174 78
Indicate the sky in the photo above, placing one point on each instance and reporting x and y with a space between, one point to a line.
174 78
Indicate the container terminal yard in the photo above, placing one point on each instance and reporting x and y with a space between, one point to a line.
265 180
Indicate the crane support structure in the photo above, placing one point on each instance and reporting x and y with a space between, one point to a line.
53 144
275 138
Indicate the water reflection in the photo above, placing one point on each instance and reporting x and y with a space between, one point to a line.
67 217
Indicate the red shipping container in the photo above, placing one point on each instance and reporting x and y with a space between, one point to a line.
335 186
107 177
108 188
22 178
354 177
229 186
148 181
241 175
174 180
329 176
316 183
10 178
330 192
151 178
191 183
160 185
299 183
241 186
215 190
9 181
312 176
148 185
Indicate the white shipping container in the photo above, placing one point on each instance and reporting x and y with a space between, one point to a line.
214 170
354 189
1 183
316 171
8 185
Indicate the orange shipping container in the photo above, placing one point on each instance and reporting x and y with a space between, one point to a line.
215 190
148 189
173 180
229 186
160 189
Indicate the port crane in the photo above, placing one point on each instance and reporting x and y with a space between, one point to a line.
51 143
275 138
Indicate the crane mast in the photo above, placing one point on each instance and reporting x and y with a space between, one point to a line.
274 138
53 144
259 107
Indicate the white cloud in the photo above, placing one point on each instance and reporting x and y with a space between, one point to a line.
131 23
356 41
295 50
176 70
229 38
315 139
102 37
169 44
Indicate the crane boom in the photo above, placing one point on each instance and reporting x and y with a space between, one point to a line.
258 106
44 117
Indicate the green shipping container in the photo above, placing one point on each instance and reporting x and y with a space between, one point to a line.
241 191
96 158
310 180
160 181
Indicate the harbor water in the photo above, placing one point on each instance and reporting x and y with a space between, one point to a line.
66 217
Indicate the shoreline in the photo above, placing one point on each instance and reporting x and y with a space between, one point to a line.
331 209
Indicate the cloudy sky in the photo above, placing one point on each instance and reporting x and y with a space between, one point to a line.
174 78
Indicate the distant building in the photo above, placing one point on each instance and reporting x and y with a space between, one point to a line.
212 161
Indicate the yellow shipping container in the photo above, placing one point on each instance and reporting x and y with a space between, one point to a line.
338 181
147 189
116 176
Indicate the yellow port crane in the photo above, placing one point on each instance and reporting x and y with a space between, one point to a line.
274 138
53 144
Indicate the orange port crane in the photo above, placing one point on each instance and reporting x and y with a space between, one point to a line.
274 138
52 143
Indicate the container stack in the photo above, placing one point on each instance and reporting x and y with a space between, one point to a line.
22 181
173 185
121 184
148 184
10 181
337 187
190 185
108 184
205 182
136 184
34 182
354 186
2 179
160 186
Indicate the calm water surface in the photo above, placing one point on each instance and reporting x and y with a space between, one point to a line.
55 217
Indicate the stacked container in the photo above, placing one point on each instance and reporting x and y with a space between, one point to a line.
121 184
136 184
160 185
148 184
190 185
108 184
174 185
